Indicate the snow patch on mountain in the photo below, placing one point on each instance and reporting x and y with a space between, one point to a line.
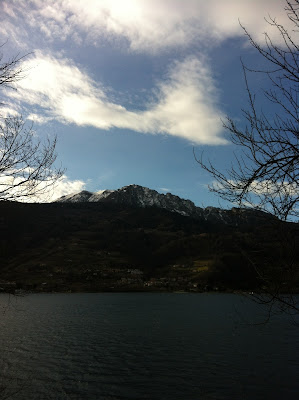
98 196
75 197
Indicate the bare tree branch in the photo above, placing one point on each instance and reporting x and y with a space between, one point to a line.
26 163
265 172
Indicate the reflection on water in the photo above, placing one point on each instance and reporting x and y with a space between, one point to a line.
145 346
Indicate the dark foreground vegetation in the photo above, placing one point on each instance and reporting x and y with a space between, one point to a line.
105 247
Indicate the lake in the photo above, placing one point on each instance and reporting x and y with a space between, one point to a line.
155 346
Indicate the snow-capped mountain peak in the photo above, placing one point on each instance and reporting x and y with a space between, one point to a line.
134 195
139 196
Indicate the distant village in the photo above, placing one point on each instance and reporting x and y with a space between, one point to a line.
109 279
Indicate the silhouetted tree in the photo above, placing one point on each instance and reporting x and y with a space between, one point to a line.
265 175
11 71
26 163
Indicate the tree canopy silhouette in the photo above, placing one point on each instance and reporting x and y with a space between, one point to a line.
26 163
265 174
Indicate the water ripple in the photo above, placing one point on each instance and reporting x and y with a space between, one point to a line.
144 346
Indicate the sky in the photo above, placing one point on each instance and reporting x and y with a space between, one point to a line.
133 88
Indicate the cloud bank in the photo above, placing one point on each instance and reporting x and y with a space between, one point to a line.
144 25
185 102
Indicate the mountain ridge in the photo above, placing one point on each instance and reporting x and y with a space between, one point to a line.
139 196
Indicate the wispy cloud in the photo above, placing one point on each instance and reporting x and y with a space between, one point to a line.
185 102
8 110
165 190
142 25
38 119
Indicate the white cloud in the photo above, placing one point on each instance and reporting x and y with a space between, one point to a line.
146 25
62 187
185 102
187 105
277 189
261 188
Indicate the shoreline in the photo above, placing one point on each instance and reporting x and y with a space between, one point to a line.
22 292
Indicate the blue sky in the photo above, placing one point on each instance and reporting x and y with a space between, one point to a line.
131 87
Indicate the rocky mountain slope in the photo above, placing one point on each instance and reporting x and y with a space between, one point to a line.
120 243
88 246
139 196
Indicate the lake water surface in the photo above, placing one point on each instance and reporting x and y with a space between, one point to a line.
125 346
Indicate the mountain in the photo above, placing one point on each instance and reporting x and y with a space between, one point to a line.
143 197
128 241
136 196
